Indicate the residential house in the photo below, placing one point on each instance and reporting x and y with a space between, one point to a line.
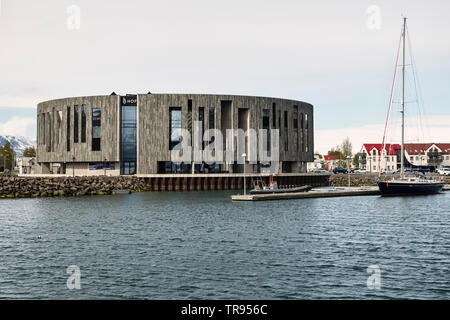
373 157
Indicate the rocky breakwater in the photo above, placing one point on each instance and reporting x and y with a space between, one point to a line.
28 187
356 180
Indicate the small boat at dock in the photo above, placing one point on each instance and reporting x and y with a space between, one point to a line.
261 188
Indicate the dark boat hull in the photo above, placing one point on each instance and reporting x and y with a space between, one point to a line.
392 188
291 190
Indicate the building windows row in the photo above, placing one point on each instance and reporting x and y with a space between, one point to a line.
76 125
175 116
302 134
175 125
76 117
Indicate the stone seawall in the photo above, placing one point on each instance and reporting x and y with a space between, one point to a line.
26 187
356 180
15 187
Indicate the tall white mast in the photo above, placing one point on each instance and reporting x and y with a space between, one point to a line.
403 102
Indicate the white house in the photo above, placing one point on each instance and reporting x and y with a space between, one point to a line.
316 164
373 159
418 154
428 154
26 165
331 162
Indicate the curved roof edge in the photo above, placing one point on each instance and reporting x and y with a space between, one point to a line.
177 94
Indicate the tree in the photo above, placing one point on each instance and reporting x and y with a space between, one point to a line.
8 156
346 147
335 152
29 152
344 150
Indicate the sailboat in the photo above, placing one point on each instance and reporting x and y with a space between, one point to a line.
405 186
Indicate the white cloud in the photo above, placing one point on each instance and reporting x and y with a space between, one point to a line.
16 126
437 130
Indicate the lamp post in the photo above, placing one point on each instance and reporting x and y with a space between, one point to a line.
245 190
104 165
348 166
73 166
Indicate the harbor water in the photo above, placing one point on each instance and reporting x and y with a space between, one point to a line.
201 245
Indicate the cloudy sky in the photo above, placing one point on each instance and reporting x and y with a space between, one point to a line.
336 55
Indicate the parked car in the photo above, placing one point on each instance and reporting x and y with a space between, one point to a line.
320 170
444 171
359 170
340 170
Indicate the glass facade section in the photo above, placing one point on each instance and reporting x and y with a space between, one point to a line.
75 124
175 128
96 129
212 112
68 129
83 123
266 127
201 119
286 140
274 115
302 133
306 132
128 147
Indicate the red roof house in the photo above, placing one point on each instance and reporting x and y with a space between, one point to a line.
391 149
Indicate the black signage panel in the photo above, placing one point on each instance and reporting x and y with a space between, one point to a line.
129 100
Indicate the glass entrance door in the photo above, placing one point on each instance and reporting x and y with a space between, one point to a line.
128 143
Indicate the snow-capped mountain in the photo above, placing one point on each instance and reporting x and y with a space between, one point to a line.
18 143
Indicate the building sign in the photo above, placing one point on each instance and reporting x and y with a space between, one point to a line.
101 166
129 100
